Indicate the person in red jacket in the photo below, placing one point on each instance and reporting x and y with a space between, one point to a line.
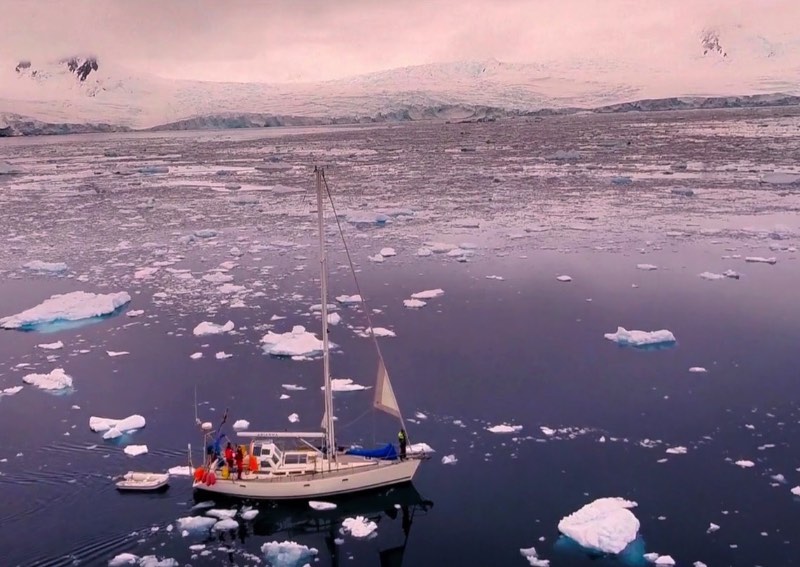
239 461
229 457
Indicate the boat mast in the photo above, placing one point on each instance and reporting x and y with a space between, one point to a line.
326 362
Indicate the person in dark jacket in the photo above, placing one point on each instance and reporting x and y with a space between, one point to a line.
239 462
402 439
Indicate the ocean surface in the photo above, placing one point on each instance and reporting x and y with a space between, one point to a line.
522 201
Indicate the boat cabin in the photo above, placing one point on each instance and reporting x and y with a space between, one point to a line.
285 460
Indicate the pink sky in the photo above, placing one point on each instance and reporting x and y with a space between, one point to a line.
250 40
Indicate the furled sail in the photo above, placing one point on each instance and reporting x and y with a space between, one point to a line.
384 394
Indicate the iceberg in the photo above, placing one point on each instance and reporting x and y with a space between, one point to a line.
419 448
113 428
39 266
297 342
287 553
359 527
606 525
72 306
57 379
640 338
206 328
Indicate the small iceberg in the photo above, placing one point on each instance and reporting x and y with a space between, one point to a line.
241 424
349 299
135 450
359 527
761 260
51 267
564 279
533 557
428 294
55 380
414 303
697 370
113 428
321 506
605 525
387 252
344 385
207 328
195 523
51 346
72 306
181 470
646 267
296 343
226 525
287 553
504 428
796 491
449 460
623 337
123 559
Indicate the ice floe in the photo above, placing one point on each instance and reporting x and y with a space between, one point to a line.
123 559
761 260
676 450
665 560
564 278
296 343
294 418
646 267
241 424
378 331
226 525
51 346
10 391
115 353
428 294
135 312
530 554
796 491
449 460
181 470
504 428
56 379
196 355
712 527
195 523
419 448
697 369
135 450
640 338
414 303
320 505
387 252
606 525
348 299
781 178
71 306
208 328
222 355
113 428
293 387
248 515
39 266
359 527
744 464
287 553
334 319
345 385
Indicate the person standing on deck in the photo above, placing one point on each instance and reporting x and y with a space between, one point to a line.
229 457
239 462
401 438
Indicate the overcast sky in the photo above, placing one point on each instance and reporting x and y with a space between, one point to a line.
251 40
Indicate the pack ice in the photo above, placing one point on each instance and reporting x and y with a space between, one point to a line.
71 306
640 338
606 525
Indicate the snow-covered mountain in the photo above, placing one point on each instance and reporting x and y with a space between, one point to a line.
714 62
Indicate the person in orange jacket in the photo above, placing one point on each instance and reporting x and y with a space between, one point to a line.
229 456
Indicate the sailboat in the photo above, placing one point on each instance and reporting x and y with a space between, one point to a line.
309 464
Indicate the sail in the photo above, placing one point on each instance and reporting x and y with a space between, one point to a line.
384 394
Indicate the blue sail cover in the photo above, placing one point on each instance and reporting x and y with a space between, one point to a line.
386 453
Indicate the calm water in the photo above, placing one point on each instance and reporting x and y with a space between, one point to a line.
527 350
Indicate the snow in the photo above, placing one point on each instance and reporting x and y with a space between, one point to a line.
428 294
606 525
640 338
533 558
67 307
207 328
287 554
294 418
297 342
504 428
646 267
123 559
134 450
113 428
359 527
449 460
745 464
414 303
39 266
697 369
319 505
241 424
180 471
56 379
761 260
564 278
51 346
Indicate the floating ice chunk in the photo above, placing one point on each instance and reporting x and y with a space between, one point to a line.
349 299
780 178
420 415
124 559
248 515
334 319
284 397
51 346
745 464
422 252
195 523
606 525
180 471
205 233
498 278
144 273
419 448
56 379
207 328
761 260
153 561
10 391
196 355
67 307
796 491
39 266
449 460
646 267
230 288
428 294
676 450
135 312
697 369
217 278
222 355
297 342
319 505
665 560
226 525
134 450
387 252
379 332
114 353
547 431
699 564
292 387
712 527
241 424
504 428
414 303
287 553
359 527
206 426
344 385
564 278
640 338
113 428
294 418
533 558
731 274
712 276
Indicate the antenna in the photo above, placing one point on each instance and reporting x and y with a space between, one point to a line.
196 419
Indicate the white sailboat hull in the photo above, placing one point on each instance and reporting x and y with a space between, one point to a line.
317 485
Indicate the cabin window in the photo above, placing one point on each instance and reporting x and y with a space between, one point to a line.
294 459
275 460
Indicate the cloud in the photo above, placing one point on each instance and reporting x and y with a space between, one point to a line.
282 39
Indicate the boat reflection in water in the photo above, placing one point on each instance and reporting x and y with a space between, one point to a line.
393 509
